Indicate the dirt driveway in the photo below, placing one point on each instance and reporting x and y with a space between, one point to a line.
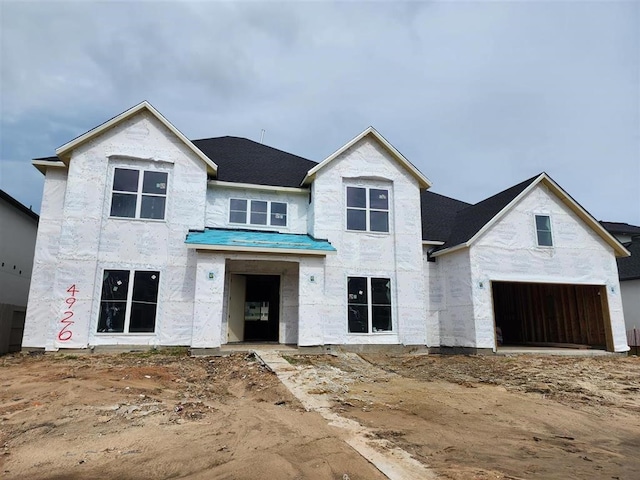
495 417
160 415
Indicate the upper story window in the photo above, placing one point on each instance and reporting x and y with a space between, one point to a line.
258 212
367 209
139 194
543 231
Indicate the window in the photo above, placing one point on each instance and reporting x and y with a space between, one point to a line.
369 304
126 306
258 212
367 209
543 231
138 194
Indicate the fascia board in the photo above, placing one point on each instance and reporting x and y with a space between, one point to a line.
64 151
620 250
432 242
423 181
231 248
450 250
42 165
253 186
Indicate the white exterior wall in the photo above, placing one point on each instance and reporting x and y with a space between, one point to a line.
38 327
630 290
396 255
453 284
209 298
509 252
434 298
218 197
90 241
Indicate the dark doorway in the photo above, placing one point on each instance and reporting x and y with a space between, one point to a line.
262 308
551 314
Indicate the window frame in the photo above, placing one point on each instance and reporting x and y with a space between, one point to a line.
370 305
367 208
538 231
269 213
129 302
139 193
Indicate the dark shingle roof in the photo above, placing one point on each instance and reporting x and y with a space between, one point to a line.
16 204
241 160
438 215
621 228
629 267
470 220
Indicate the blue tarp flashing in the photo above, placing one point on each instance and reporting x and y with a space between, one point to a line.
255 240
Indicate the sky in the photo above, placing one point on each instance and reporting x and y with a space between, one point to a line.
478 95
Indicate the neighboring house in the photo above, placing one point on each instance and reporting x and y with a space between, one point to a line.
18 227
148 238
629 271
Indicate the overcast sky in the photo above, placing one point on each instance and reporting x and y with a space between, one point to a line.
478 95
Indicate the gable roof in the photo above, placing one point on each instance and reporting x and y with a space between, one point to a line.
629 267
18 206
64 152
423 181
471 222
241 160
438 215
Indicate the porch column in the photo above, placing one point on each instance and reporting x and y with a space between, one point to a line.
207 309
311 302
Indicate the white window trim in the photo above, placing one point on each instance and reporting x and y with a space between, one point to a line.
535 230
367 209
370 306
248 211
139 194
129 305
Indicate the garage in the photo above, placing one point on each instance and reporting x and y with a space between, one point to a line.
553 315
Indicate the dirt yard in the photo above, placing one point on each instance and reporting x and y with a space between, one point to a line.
166 415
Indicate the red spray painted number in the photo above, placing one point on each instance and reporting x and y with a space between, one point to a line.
65 334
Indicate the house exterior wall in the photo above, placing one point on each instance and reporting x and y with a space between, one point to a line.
508 251
630 291
217 212
367 164
38 327
434 297
17 244
80 239
452 282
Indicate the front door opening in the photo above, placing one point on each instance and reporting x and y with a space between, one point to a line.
254 308
539 314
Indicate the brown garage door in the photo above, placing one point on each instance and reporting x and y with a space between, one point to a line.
547 314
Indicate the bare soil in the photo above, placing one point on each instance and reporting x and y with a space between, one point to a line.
479 417
141 416
166 415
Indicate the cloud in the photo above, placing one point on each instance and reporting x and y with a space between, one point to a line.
479 95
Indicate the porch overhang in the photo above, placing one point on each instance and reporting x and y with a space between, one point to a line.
235 240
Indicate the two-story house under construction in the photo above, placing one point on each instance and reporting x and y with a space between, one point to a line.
147 238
